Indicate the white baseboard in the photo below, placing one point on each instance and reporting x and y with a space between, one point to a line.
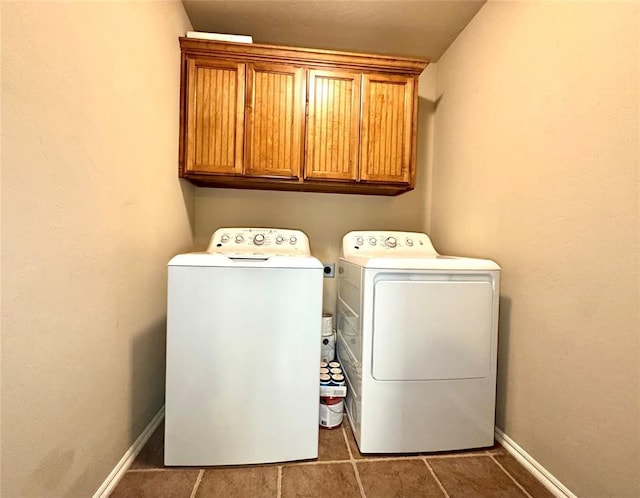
125 462
528 462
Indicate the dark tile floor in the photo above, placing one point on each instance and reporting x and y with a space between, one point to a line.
340 471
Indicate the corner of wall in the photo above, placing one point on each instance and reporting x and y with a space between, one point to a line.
425 140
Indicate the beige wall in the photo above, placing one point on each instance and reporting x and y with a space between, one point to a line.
92 211
325 218
536 165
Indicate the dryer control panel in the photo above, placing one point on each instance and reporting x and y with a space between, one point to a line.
381 244
259 241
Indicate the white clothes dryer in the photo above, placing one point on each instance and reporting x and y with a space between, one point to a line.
243 346
417 339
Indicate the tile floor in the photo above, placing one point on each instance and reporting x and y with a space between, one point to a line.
340 471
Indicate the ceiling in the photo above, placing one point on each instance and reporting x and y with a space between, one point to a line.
412 28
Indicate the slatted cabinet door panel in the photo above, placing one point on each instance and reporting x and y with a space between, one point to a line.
215 116
388 122
274 120
332 125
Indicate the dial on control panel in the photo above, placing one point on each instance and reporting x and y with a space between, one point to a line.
239 239
258 239
390 242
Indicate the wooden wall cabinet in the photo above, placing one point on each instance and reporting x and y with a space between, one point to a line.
333 122
214 116
387 143
284 118
273 121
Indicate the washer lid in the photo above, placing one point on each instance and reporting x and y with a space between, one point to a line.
254 260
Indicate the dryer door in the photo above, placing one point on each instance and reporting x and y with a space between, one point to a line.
432 329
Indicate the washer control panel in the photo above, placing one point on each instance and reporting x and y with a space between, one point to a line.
388 244
259 242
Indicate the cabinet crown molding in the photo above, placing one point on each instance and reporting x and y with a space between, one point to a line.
254 52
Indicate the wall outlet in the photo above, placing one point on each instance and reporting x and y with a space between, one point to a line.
329 270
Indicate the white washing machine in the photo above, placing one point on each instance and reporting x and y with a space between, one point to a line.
417 339
243 346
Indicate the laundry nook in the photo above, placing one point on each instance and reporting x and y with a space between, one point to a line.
346 249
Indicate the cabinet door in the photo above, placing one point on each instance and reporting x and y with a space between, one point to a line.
274 120
332 125
215 116
387 128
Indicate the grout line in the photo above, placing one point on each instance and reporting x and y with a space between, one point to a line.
387 459
511 477
458 455
376 459
166 469
279 486
358 480
319 462
346 440
495 451
444 491
197 484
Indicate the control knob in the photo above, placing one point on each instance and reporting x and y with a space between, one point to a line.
410 242
224 238
258 239
239 239
279 239
390 242
293 239
372 241
359 241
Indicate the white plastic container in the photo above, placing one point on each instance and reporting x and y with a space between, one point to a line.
327 323
328 339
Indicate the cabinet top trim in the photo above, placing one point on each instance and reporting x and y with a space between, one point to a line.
305 56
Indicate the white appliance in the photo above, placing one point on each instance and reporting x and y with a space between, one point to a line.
243 346
417 339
